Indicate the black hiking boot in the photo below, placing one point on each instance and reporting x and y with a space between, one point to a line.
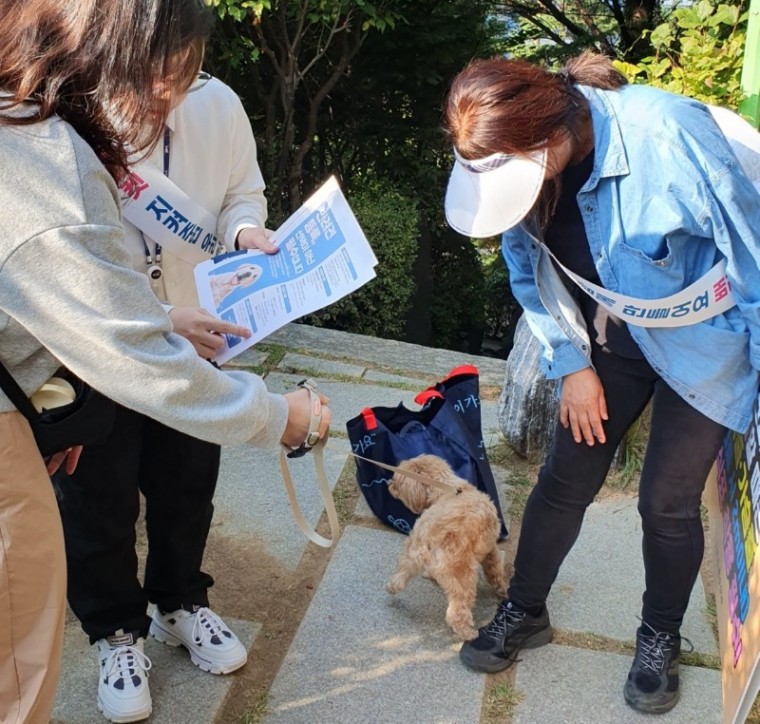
498 643
652 685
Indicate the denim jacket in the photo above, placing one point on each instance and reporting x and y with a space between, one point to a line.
665 201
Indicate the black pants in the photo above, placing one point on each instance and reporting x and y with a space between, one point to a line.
682 447
100 505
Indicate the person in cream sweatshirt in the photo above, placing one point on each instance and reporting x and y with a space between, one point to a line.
208 152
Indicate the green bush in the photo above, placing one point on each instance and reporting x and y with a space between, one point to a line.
458 313
379 308
501 309
699 53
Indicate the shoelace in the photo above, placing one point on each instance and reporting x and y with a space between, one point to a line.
653 650
206 625
124 659
504 618
654 646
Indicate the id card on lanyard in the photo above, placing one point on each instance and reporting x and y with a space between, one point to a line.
153 261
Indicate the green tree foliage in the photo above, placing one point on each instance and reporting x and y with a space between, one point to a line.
501 309
628 30
385 116
329 93
698 52
286 57
379 308
385 121
554 30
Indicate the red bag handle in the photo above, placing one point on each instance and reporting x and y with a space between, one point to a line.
461 370
426 395
431 392
370 421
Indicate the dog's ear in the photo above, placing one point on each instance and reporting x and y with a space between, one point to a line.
415 495
432 495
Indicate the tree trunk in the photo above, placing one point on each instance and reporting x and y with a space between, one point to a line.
528 406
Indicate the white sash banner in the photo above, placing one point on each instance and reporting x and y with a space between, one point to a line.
168 216
707 297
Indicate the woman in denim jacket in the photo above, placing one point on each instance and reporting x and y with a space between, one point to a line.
638 192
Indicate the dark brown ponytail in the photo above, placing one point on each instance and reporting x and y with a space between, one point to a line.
594 70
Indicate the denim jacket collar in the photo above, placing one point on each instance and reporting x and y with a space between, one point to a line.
609 157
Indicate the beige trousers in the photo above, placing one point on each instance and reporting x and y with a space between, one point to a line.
32 579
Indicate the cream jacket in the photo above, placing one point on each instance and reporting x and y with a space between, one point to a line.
213 160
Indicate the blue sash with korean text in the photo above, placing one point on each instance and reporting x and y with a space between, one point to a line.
166 214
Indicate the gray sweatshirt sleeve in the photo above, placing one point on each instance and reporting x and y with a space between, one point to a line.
66 285
100 319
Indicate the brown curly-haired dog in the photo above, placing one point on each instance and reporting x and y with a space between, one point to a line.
454 533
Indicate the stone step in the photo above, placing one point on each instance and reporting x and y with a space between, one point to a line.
580 686
600 584
361 655
402 357
251 499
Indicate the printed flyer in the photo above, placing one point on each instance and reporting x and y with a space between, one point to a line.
323 256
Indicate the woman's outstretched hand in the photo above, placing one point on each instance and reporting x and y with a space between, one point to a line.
583 407
250 238
299 417
204 330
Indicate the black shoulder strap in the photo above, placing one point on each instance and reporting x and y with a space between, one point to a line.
16 394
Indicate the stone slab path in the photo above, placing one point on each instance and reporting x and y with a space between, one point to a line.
359 655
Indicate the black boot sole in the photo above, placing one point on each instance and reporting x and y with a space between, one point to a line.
639 703
490 663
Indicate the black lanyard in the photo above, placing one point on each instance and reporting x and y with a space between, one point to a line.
149 260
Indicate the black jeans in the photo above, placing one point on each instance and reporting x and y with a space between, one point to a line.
682 447
100 505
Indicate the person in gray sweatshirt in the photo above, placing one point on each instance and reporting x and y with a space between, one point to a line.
82 86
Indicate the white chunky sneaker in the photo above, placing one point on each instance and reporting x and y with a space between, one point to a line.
212 646
123 692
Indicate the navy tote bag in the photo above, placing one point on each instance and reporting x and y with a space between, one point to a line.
448 425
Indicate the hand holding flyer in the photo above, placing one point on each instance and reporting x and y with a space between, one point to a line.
323 256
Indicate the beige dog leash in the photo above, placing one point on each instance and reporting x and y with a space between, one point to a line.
432 482
316 446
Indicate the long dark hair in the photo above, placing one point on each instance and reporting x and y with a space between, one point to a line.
98 64
515 107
